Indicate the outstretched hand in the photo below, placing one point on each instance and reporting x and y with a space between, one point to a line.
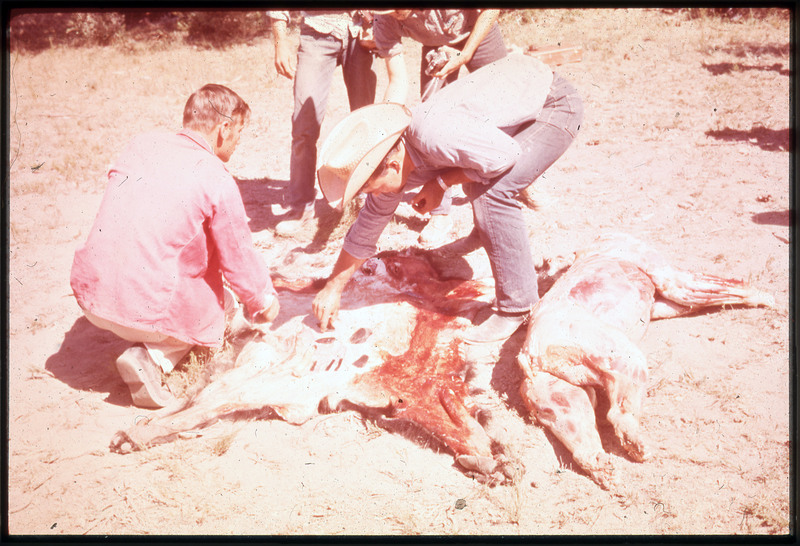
326 306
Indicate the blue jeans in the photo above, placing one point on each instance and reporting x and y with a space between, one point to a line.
496 211
491 49
317 58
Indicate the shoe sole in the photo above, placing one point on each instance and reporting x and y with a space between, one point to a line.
143 392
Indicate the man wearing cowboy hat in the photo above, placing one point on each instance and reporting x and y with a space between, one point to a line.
494 131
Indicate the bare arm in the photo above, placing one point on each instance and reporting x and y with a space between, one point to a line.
482 26
326 304
284 56
397 88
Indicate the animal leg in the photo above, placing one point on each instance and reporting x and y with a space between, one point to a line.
258 387
664 309
625 378
682 287
698 290
567 411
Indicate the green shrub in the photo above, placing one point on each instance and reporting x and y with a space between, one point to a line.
224 28
36 30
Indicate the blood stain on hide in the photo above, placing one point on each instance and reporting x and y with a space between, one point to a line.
560 400
299 286
422 387
425 381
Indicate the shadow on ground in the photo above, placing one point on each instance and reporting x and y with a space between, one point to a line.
85 361
719 69
774 217
772 140
742 49
258 196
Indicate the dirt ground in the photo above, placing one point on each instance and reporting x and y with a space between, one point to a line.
686 144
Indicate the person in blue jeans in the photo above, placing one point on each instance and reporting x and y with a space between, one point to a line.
456 37
327 39
494 132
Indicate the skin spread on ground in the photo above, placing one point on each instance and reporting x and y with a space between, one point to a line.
685 145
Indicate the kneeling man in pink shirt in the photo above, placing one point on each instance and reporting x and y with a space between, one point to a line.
171 226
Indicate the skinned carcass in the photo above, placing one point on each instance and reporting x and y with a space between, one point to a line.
392 356
581 338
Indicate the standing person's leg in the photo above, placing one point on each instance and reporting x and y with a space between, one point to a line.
359 77
316 61
498 215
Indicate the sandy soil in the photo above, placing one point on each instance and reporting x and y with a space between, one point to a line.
685 144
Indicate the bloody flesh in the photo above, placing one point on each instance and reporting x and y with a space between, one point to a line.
426 386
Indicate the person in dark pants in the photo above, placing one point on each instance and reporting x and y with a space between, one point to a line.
327 39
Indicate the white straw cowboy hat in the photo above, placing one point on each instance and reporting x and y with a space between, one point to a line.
355 147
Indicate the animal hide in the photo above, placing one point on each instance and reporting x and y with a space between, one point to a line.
393 356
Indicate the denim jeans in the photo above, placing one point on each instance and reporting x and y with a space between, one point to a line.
317 58
488 51
498 215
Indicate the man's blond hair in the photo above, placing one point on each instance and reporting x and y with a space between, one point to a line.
211 105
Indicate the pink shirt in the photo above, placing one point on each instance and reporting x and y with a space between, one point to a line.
170 225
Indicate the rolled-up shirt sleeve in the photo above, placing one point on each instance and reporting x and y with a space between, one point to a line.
388 38
361 240
243 268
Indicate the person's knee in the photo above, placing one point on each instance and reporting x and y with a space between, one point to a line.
576 119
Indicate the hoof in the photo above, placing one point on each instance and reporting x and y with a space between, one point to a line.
483 469
600 469
122 443
636 450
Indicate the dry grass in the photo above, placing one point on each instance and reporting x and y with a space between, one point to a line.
222 445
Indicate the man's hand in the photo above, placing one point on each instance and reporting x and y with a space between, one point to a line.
326 305
428 197
285 58
367 39
269 313
455 60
